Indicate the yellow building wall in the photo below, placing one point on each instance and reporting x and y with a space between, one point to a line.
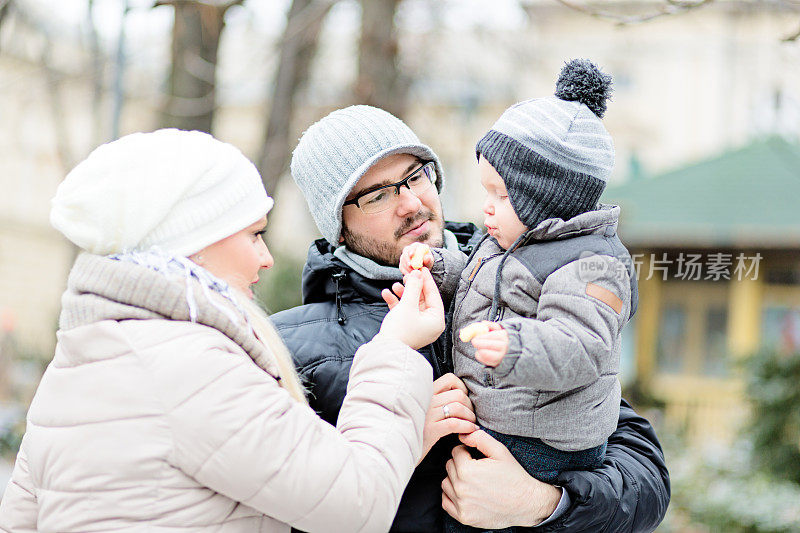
705 409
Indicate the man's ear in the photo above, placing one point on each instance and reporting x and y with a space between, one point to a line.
341 239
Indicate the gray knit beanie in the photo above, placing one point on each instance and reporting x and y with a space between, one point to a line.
336 151
553 153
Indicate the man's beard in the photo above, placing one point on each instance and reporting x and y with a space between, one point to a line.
388 253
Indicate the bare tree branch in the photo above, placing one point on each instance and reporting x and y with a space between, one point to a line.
297 48
670 7
5 9
97 76
57 107
190 101
221 4
301 23
380 82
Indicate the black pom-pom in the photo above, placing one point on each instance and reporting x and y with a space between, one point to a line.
580 80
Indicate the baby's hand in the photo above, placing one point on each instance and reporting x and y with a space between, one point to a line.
415 256
492 346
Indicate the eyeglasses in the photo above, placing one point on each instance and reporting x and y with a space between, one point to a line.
381 199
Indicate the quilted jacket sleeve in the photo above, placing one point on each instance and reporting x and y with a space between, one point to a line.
572 340
629 493
236 431
18 508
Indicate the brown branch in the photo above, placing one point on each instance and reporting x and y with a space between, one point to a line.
300 24
57 107
184 107
5 9
297 48
222 4
670 7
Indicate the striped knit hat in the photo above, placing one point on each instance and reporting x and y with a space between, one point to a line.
336 151
553 153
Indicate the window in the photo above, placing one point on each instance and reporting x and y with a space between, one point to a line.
693 330
780 328
671 351
715 354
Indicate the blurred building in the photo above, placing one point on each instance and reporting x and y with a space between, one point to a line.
685 86
717 248
42 110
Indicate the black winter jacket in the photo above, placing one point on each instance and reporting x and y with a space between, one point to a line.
342 310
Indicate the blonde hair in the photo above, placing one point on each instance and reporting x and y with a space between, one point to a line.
268 335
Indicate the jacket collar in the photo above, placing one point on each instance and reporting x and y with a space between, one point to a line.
100 288
603 220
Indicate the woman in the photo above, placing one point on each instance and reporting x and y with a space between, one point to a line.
170 403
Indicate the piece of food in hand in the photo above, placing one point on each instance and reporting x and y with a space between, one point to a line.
473 330
419 256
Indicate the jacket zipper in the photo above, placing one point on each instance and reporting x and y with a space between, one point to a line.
341 318
481 262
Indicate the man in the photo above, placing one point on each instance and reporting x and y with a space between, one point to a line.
372 189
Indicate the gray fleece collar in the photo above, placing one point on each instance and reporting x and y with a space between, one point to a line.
600 220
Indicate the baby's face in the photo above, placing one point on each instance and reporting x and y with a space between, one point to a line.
499 217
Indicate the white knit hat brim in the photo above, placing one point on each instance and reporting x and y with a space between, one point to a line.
247 212
176 190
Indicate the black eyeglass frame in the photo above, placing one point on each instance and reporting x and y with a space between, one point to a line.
402 183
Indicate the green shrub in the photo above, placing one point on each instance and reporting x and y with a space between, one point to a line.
773 388
279 287
722 490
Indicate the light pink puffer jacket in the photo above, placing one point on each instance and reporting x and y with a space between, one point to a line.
163 425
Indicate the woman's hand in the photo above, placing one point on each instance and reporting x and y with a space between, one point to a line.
450 412
416 311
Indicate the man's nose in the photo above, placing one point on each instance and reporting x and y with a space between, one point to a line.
407 202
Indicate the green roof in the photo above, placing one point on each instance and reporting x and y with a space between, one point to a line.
749 197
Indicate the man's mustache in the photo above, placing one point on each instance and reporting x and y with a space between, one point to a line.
422 216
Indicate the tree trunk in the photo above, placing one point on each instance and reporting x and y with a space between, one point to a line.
191 90
380 82
297 49
5 9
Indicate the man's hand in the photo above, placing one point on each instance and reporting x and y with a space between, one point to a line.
450 412
495 492
490 348
409 252
416 311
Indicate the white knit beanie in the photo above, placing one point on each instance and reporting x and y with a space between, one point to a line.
336 151
177 190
